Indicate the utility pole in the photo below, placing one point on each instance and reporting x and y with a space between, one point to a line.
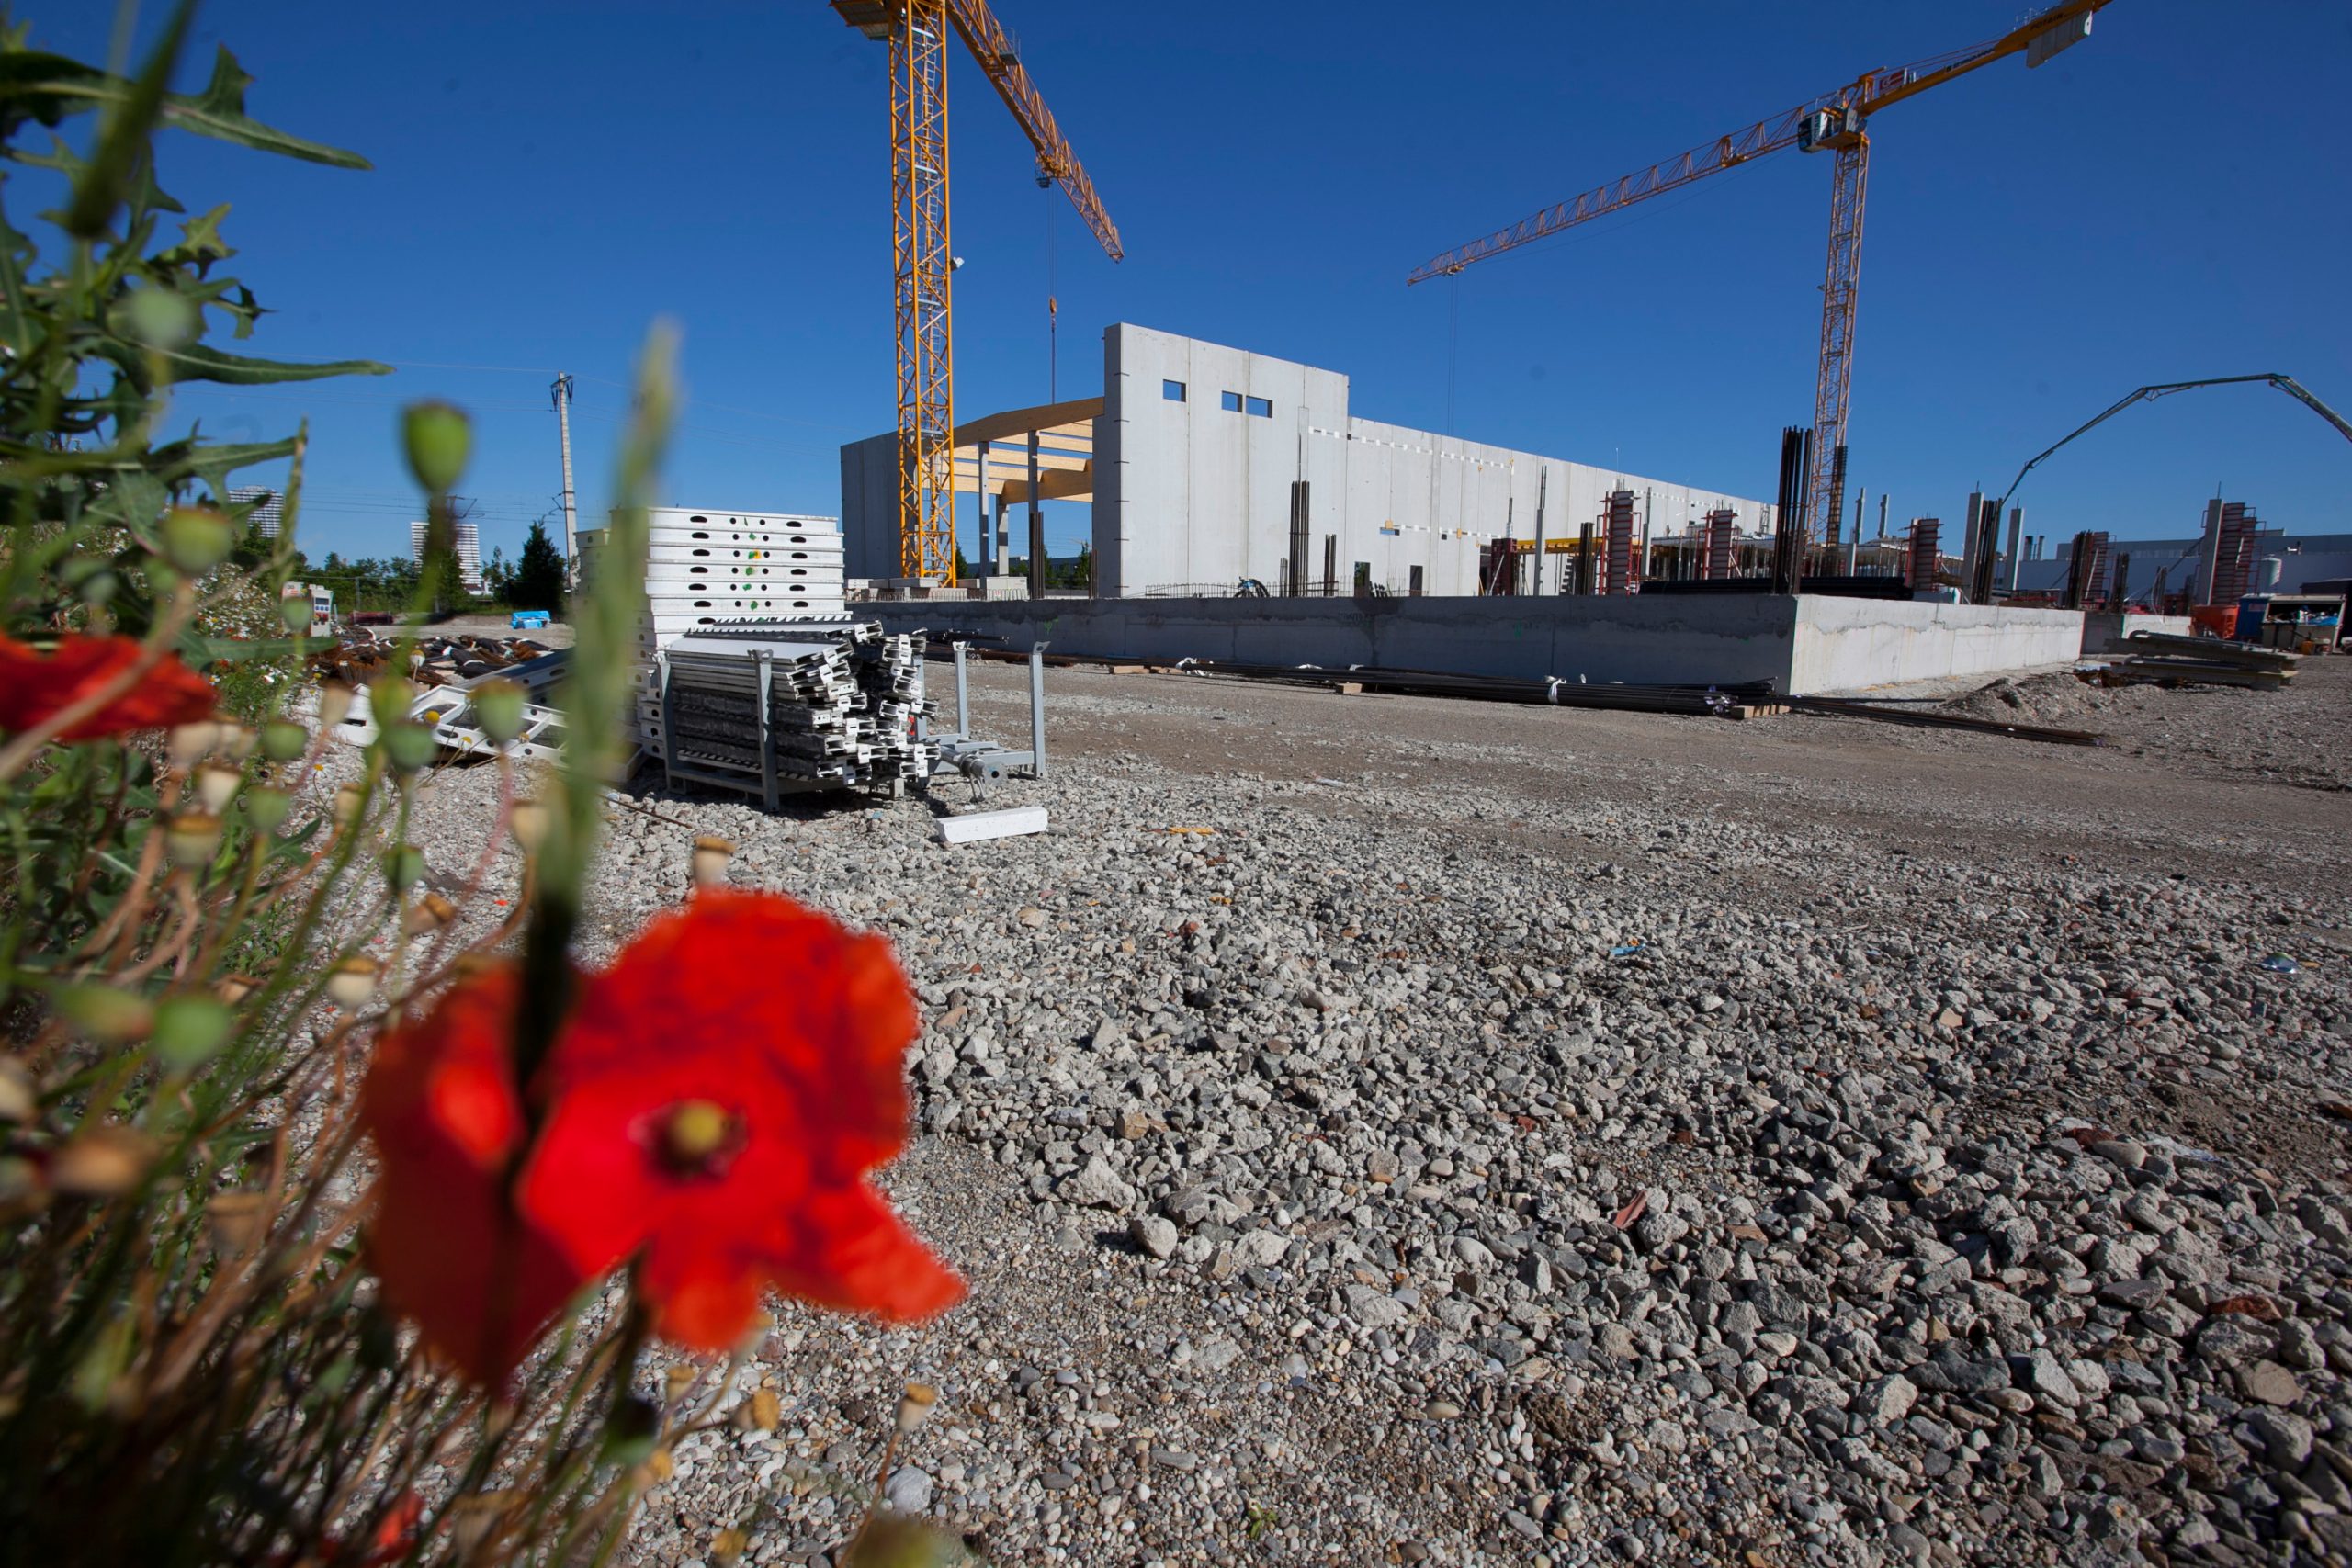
562 390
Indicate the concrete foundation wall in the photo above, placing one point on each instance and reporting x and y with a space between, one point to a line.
1846 644
2102 629
1654 641
1811 644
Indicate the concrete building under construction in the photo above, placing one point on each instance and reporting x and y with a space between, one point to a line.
1209 467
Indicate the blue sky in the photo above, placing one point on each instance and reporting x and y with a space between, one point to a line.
2165 201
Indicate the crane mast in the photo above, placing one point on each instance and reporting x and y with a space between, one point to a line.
1837 123
923 256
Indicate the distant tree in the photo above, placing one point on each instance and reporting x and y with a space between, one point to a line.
537 582
496 576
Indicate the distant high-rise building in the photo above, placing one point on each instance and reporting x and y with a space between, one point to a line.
270 514
469 552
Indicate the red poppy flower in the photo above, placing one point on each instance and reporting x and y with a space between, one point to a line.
34 686
717 1099
713 1105
441 1102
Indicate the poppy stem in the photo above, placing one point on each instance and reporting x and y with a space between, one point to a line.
881 1482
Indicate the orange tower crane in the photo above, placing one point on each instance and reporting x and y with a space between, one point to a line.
1835 122
922 260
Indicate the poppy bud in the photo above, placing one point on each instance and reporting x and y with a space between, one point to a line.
236 742
267 808
103 1013
216 785
195 541
234 989
389 697
238 1219
408 746
161 318
709 862
429 913
760 1413
295 610
726 1548
403 867
348 801
352 981
188 744
282 740
191 840
498 709
189 1030
90 577
103 1162
528 821
438 439
18 1100
914 1406
335 704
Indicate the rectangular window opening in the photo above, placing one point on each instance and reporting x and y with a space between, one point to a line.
1230 401
1173 390
1259 407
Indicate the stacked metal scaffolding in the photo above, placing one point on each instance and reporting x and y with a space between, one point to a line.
770 706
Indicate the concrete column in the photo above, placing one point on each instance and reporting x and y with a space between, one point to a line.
2017 531
980 495
1036 528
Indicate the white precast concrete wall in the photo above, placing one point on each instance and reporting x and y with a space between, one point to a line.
1190 493
870 506
1850 644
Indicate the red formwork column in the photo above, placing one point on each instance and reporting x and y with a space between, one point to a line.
1624 574
1716 563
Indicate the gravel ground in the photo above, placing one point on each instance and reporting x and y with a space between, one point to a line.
1387 1130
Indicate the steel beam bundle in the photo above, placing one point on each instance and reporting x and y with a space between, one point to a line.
768 707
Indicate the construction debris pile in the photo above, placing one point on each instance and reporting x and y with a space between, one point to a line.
432 661
2197 660
763 706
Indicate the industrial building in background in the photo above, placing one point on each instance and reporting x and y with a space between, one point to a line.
1213 471
269 508
469 549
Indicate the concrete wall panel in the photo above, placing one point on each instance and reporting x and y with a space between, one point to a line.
1852 644
1637 641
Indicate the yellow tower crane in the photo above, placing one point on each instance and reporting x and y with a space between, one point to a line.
922 261
1832 123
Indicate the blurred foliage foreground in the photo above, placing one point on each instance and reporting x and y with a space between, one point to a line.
327 1236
